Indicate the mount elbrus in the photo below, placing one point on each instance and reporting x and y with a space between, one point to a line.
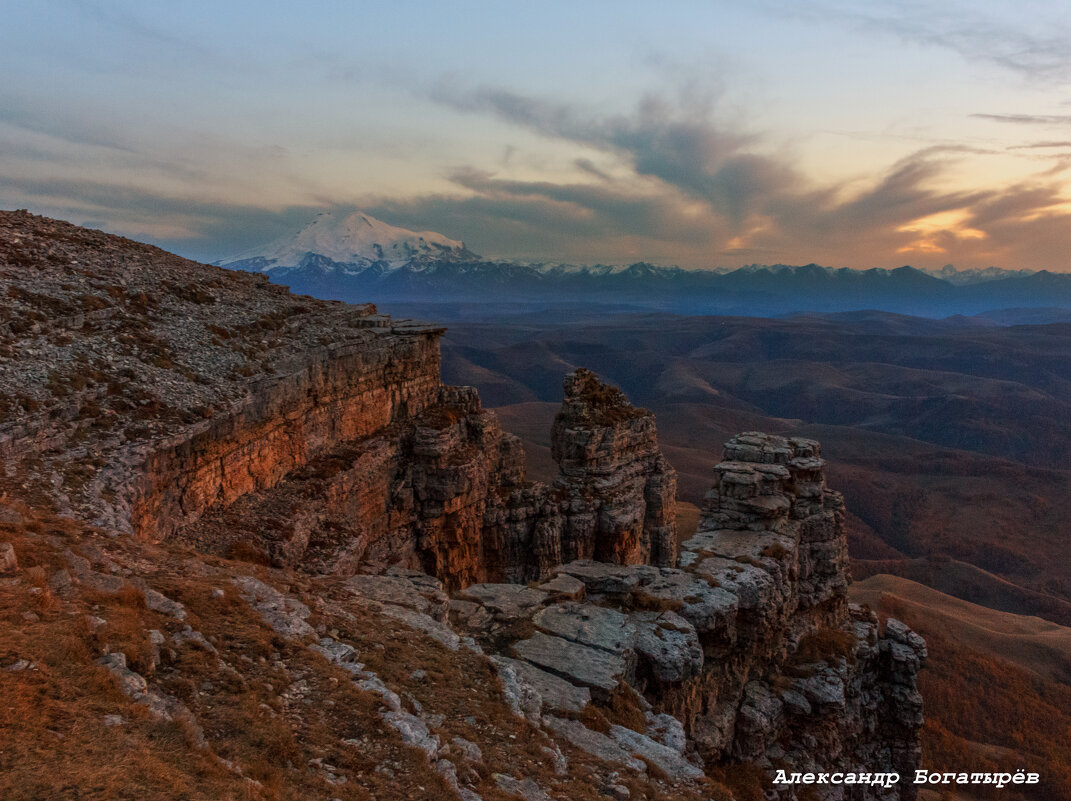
355 257
252 540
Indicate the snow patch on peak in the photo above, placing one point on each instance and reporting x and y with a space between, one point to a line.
354 238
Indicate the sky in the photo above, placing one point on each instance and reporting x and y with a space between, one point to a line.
704 134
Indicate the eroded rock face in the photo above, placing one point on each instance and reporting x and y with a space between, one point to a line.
428 479
620 490
750 646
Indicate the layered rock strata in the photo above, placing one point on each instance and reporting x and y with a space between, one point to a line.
169 399
442 488
750 645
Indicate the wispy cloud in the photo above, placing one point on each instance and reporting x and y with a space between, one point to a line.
687 187
1027 119
1041 145
1036 44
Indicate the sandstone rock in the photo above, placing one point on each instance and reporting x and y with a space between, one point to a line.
707 608
61 583
158 602
525 789
601 578
667 645
795 703
666 759
521 697
85 574
335 651
898 632
825 690
508 602
284 614
470 616
416 591
469 750
667 730
413 731
435 629
564 587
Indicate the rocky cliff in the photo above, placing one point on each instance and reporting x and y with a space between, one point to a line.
219 410
749 650
353 505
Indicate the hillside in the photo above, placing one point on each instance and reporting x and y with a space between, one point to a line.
996 686
254 544
948 438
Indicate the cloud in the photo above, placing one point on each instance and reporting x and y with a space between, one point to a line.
688 188
667 182
1027 119
185 224
1042 52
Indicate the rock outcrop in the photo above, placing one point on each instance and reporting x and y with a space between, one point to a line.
173 400
621 490
750 646
442 488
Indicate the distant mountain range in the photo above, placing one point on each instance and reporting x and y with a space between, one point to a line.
355 257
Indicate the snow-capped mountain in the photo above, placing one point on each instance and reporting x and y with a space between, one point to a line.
352 242
356 257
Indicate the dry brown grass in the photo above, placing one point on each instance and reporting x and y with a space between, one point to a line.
984 713
265 703
823 645
775 550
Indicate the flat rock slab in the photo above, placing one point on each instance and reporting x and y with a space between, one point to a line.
508 602
284 614
9 565
579 664
598 745
435 629
419 593
524 789
663 757
731 544
753 586
690 596
603 578
557 693
824 690
564 586
587 624
668 645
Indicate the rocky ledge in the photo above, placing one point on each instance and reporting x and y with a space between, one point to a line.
747 653
172 400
